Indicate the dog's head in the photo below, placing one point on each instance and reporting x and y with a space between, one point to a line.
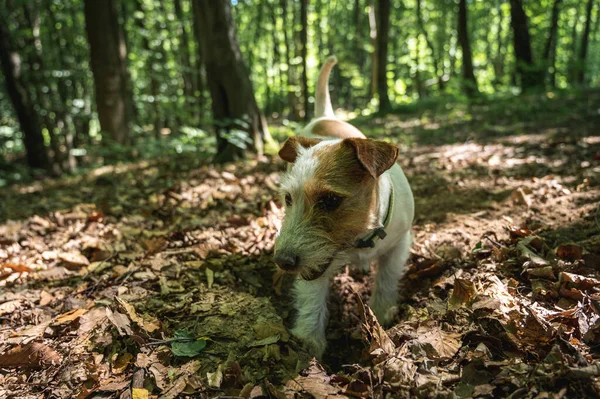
330 194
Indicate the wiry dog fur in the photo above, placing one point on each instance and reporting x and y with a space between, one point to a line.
337 191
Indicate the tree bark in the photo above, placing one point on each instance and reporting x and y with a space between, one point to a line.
10 61
373 37
585 39
549 55
107 53
469 81
304 55
382 12
434 58
527 70
234 106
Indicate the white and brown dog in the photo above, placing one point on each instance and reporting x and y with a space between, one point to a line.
347 202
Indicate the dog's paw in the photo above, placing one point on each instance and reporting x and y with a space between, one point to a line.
313 342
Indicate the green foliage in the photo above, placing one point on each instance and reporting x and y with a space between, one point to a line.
185 344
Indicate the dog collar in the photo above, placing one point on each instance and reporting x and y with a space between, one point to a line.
379 233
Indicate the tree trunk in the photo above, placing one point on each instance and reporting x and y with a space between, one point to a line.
373 37
526 68
499 57
107 53
233 104
304 55
291 94
469 81
33 139
382 12
434 58
151 70
585 39
552 31
184 49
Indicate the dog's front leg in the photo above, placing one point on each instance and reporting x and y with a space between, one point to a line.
391 266
311 304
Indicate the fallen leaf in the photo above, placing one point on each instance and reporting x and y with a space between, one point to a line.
33 354
148 323
139 393
70 316
120 321
372 330
122 362
569 252
16 267
215 379
444 344
189 346
578 281
463 292
74 260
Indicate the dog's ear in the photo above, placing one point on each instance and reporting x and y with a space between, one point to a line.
289 151
374 155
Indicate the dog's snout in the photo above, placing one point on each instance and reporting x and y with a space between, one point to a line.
287 261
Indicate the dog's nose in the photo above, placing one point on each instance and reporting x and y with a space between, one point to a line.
287 261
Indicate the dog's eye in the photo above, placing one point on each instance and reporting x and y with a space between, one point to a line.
288 199
329 202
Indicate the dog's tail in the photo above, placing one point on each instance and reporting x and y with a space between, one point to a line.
322 100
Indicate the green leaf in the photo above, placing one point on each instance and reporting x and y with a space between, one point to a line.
187 345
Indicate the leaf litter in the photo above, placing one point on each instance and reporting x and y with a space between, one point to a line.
162 285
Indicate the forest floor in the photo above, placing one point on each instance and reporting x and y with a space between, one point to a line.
155 279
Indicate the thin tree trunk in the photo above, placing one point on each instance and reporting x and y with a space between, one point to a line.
108 52
552 31
434 58
233 104
185 58
65 95
291 95
373 37
549 55
585 39
33 139
382 13
526 68
499 58
304 55
469 81
276 60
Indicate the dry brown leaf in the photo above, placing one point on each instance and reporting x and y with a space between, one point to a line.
316 383
444 344
46 298
9 307
148 323
578 281
372 330
463 293
34 355
120 321
569 252
91 320
16 267
154 245
70 316
74 260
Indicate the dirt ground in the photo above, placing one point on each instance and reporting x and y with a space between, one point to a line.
155 279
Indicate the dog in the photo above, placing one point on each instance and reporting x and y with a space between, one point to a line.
347 201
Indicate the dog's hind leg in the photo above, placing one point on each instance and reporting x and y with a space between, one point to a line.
385 293
311 304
